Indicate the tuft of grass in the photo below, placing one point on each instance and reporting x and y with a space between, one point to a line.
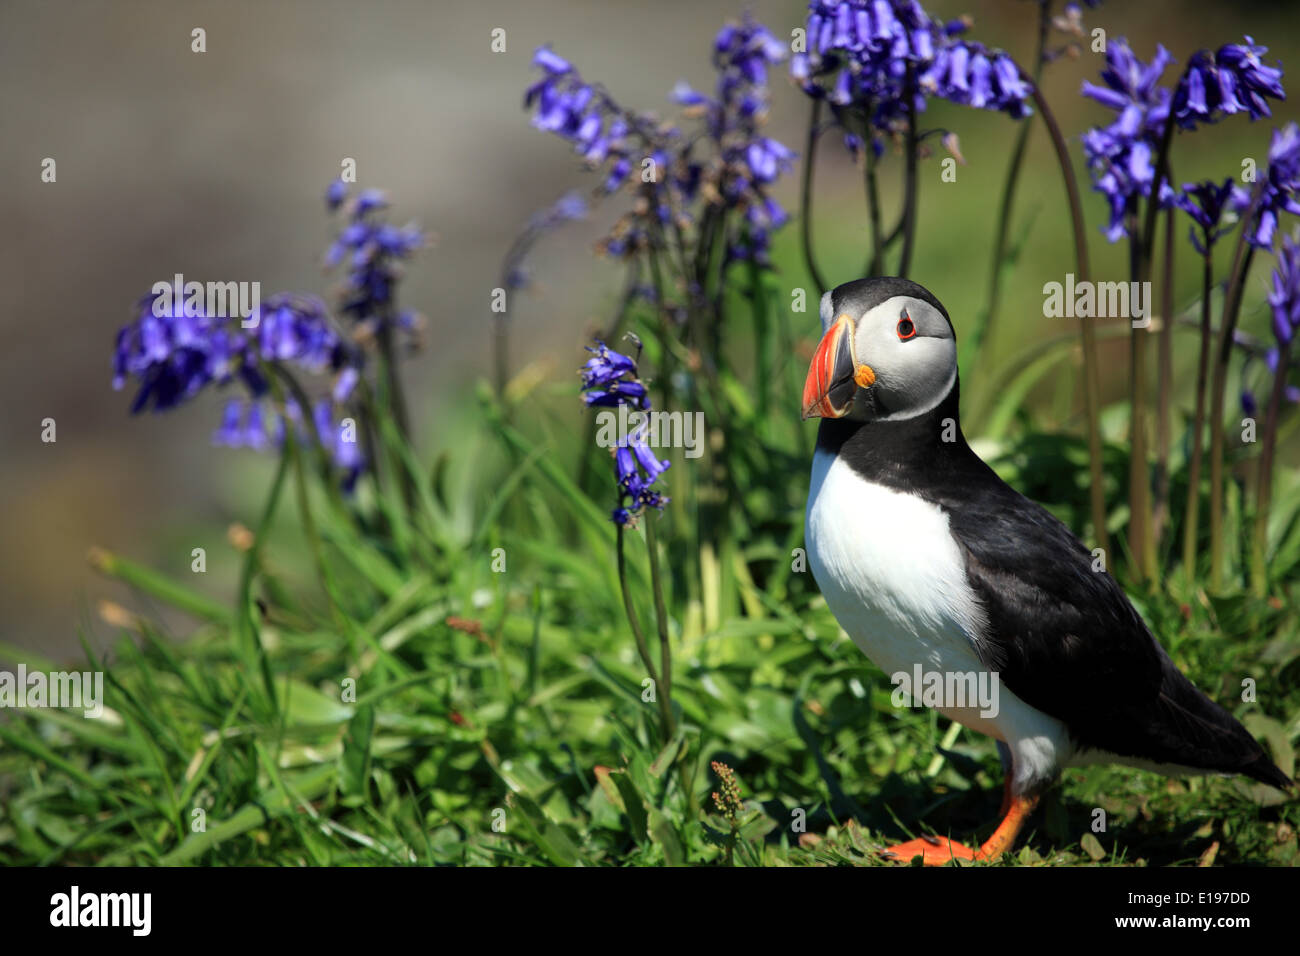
416 707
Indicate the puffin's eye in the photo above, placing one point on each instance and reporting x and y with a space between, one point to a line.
906 329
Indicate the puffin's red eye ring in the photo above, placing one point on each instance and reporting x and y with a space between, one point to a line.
906 328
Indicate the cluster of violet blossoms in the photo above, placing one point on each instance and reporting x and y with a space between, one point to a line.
174 351
609 380
888 57
680 183
371 250
1122 155
1284 301
1280 190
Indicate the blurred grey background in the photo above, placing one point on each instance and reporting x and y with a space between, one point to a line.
213 165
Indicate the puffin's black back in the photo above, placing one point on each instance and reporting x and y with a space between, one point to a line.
1063 638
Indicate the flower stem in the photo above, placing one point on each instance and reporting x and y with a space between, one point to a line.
1264 479
805 200
1091 380
1164 385
1193 514
642 648
873 203
1139 488
910 181
984 326
1241 260
661 621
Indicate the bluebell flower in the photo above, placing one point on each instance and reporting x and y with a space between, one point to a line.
335 194
176 354
861 52
611 379
168 354
1280 191
1210 206
1232 80
1121 156
1284 297
616 140
230 431
373 251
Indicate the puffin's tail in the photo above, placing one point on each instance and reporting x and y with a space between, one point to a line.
1203 735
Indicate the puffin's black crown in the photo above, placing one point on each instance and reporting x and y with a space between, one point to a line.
862 295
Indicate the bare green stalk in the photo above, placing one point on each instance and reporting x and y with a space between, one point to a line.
1164 385
984 327
1241 260
661 621
1192 518
642 648
1264 479
805 196
910 178
1091 378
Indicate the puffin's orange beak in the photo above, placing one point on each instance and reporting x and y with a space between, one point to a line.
835 375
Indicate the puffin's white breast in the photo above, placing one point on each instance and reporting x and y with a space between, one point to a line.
895 579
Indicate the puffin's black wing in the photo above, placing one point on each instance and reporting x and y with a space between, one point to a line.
1066 640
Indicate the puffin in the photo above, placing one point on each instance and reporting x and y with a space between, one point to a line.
934 565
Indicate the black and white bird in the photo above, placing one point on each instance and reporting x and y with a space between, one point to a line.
928 559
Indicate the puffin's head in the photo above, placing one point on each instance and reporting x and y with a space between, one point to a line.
887 351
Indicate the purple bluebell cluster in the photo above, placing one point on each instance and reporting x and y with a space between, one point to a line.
1284 303
610 379
1284 297
611 139
677 180
173 351
600 130
748 162
371 251
176 355
887 57
1121 155
1232 80
1280 190
1206 203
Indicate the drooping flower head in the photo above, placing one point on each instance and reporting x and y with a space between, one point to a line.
1210 206
1280 190
609 380
372 251
1121 156
1284 304
678 177
174 350
1284 297
1232 80
883 59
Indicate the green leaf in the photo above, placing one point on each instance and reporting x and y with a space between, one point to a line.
354 762
633 805
665 834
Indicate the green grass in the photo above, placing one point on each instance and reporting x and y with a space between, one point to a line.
498 718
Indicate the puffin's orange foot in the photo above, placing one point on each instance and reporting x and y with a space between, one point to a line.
933 851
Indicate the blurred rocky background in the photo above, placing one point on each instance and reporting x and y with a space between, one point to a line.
213 165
